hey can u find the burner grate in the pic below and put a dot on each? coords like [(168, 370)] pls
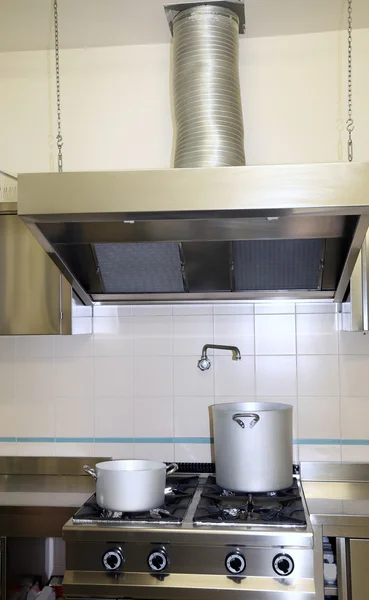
[(271, 509), (178, 495)]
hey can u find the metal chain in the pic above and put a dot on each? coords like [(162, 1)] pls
[(59, 139), (350, 122)]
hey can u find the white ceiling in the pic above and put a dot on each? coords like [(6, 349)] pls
[(27, 24)]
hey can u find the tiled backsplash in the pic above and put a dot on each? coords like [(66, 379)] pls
[(133, 389)]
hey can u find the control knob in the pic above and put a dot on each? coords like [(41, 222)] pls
[(158, 560), (235, 563), (113, 559), (283, 564)]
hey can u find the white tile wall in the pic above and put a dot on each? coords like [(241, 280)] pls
[(133, 387), (275, 376), (275, 334)]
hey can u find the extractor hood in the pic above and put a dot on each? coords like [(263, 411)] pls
[(291, 231), (197, 232)]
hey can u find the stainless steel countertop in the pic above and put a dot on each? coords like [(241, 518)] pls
[(39, 495), (340, 506), (45, 490)]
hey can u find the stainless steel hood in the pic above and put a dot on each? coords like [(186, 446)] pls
[(291, 231)]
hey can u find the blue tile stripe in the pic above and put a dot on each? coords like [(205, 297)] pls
[(171, 440)]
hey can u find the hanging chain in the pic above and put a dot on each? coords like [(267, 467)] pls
[(350, 122), (59, 139)]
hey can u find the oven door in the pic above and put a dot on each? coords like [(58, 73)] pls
[(183, 586)]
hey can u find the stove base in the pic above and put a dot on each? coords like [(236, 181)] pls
[(182, 586)]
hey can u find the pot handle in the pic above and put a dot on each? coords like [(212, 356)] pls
[(237, 418), (172, 468), (90, 471)]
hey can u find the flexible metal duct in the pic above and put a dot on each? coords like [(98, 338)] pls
[(206, 88)]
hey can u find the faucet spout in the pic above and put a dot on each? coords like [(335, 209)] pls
[(204, 363)]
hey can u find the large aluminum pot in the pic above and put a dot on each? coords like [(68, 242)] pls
[(253, 446), (130, 485)]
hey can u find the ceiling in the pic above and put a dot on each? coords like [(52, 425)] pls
[(27, 24)]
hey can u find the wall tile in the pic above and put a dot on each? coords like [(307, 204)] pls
[(114, 417), (319, 417), (7, 348), (114, 340), (352, 342), (36, 417), (134, 396), (113, 376), (162, 452), (189, 380), (193, 453), (355, 418), (318, 375), (275, 334), (153, 336), (35, 346), (74, 377), (319, 453), (234, 330), (8, 416), (112, 311), (152, 310), (79, 310), (192, 309), (236, 308), (7, 378), (73, 346), (74, 417), (153, 417), (275, 376), (153, 376), (8, 449), (234, 377), (191, 333), (34, 377), (229, 399), (353, 375), (114, 450), (192, 416), (355, 454), (274, 308), (36, 449), (317, 334), (74, 449), (82, 326), (316, 307)]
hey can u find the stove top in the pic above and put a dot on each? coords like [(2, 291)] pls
[(218, 507), (178, 496)]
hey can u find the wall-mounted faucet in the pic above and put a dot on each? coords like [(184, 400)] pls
[(204, 363)]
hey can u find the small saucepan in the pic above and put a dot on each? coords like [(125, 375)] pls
[(130, 485)]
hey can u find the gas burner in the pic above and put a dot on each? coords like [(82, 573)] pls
[(227, 493), (178, 496), (282, 508)]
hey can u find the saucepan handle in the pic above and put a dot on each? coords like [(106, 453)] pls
[(172, 468), (237, 418), (90, 471)]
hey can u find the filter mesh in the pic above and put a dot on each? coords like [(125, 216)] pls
[(140, 268), (278, 264)]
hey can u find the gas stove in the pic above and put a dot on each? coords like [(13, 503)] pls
[(244, 546)]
